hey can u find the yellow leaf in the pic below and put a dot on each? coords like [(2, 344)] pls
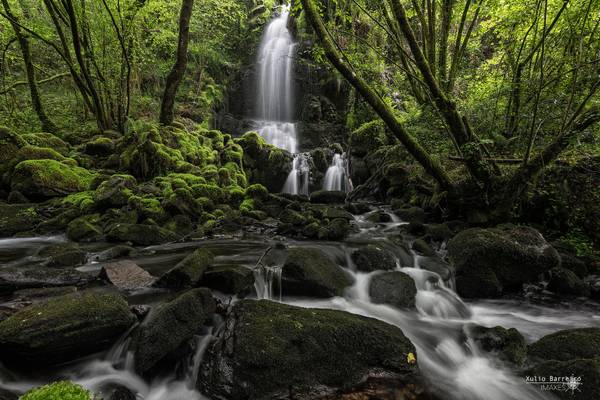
[(410, 358)]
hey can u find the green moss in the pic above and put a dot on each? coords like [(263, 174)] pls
[(247, 206), (147, 207), (213, 192), (567, 345), (47, 140), (83, 201), (58, 391), (37, 153), (368, 137), (233, 152), (206, 203), (49, 178), (257, 191)]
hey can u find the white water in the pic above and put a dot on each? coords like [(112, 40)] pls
[(336, 177), (275, 98), (299, 177)]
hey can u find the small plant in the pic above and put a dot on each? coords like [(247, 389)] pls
[(579, 241), (58, 391)]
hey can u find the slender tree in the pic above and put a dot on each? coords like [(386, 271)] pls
[(178, 71), (36, 101)]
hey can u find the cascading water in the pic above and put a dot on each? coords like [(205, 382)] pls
[(275, 98), (299, 177), (336, 177)]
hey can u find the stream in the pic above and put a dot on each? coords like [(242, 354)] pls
[(449, 359)]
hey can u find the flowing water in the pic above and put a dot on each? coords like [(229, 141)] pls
[(450, 360), (275, 98), (337, 177)]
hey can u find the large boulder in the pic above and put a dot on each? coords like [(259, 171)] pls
[(49, 178), (372, 258), (63, 255), (140, 234), (16, 278), (271, 350), (394, 288), (64, 328), (188, 272), (170, 325), (309, 272), (493, 261), (15, 218), (228, 278), (567, 345), (564, 281), (508, 344)]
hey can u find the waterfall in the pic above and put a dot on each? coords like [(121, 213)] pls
[(299, 177), (275, 97), (336, 177)]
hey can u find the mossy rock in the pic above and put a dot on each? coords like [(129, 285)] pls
[(28, 277), (233, 279), (170, 325), (63, 255), (116, 191), (49, 178), (338, 229), (64, 328), (140, 234), (271, 350), (47, 140), (513, 254), (567, 345), (15, 218), (30, 152), (10, 143), (566, 282), (508, 344), (101, 146), (85, 229), (423, 248), (188, 272), (588, 370), (328, 197), (63, 390), (309, 272), (368, 137), (394, 288), (372, 258), (411, 214)]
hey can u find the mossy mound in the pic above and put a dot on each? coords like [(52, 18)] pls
[(64, 328), (368, 137), (10, 143), (270, 350), (506, 256), (63, 390), (188, 272), (567, 345), (15, 218), (49, 178), (394, 288), (47, 140), (372, 258), (309, 272)]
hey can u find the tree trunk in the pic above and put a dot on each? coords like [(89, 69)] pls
[(47, 124), (385, 112), (176, 75)]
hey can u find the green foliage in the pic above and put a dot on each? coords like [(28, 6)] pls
[(579, 241), (58, 391)]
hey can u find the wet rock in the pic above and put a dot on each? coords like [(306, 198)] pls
[(170, 325), (411, 214), (188, 272), (509, 344), (64, 328), (588, 370), (16, 197), (564, 281), (232, 279), (372, 258), (140, 234), (438, 232), (114, 252), (63, 255), (309, 272), (422, 248), (328, 197), (593, 282), (498, 260), (85, 229), (12, 279), (338, 229), (8, 395), (379, 216), (100, 146), (567, 345), (574, 264), (271, 350), (289, 216), (126, 275), (49, 178), (122, 393), (437, 265), (334, 212), (394, 288)]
